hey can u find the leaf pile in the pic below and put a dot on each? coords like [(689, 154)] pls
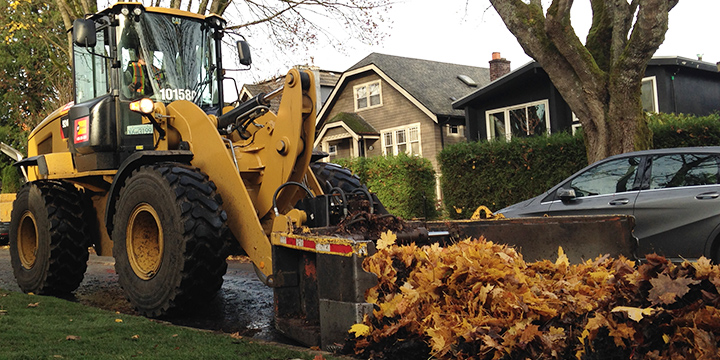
[(480, 300)]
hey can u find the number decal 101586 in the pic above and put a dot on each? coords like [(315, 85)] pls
[(177, 94)]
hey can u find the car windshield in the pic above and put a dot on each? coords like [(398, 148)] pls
[(167, 58)]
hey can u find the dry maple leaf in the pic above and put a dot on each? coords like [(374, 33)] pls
[(666, 290), (386, 240), (33, 305), (562, 258), (72, 337), (703, 267), (635, 314), (705, 344), (359, 330), (620, 333), (529, 333)]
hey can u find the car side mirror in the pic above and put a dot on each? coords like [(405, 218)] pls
[(84, 33), (566, 195), (244, 52)]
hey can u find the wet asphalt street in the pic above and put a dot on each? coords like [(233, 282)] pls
[(243, 305)]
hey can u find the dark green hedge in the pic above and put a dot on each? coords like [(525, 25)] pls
[(404, 184), (671, 130), (497, 173)]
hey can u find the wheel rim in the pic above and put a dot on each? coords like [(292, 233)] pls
[(144, 241), (27, 240)]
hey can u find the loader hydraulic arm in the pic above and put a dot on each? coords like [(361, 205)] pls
[(277, 151)]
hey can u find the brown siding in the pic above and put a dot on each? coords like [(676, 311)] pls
[(336, 131), (344, 150), (396, 110)]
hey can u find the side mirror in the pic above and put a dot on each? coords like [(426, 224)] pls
[(244, 52), (566, 195), (84, 33)]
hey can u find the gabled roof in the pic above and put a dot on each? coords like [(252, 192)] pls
[(355, 122), (355, 126), (432, 85), (501, 81), (533, 66)]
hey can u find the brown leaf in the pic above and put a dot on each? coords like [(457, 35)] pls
[(666, 290), (705, 344), (33, 305), (529, 334), (622, 332), (72, 337)]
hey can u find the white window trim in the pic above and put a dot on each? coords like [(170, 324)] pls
[(459, 129), (367, 84), (506, 111), (653, 81), (332, 149), (407, 139), (575, 124)]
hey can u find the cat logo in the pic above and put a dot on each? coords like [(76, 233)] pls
[(81, 130)]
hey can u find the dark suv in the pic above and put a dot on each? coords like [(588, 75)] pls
[(674, 195)]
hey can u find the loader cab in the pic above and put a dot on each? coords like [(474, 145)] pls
[(128, 53)]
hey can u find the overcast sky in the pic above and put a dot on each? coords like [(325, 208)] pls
[(447, 31)]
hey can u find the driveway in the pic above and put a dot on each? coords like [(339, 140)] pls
[(244, 305)]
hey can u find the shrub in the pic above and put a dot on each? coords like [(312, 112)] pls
[(670, 130), (11, 179), (498, 173), (404, 184)]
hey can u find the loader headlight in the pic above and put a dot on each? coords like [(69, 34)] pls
[(144, 106)]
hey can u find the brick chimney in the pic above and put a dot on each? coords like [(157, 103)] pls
[(499, 66)]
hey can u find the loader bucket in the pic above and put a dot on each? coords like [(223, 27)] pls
[(320, 284), (538, 238)]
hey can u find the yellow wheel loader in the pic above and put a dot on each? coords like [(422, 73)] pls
[(149, 165)]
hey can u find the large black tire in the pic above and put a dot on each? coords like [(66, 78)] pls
[(48, 244), (169, 239), (331, 175)]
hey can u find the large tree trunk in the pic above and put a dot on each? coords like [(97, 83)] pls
[(600, 80)]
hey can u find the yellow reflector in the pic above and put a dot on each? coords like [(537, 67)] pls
[(144, 106)]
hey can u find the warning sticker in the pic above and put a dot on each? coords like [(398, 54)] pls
[(81, 129)]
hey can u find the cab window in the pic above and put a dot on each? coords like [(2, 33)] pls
[(91, 69)]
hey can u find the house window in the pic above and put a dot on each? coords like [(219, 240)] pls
[(518, 121), (402, 140), (455, 129), (367, 95), (332, 149), (649, 95)]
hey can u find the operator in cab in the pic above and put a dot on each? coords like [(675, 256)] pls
[(137, 77)]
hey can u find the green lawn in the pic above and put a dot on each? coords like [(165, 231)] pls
[(41, 327)]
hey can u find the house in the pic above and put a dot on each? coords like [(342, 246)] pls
[(389, 104), (525, 102), (327, 80)]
